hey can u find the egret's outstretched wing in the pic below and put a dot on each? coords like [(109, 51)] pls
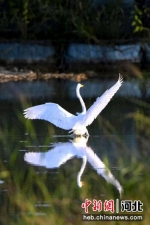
[(54, 158), (53, 113), (100, 104), (101, 169)]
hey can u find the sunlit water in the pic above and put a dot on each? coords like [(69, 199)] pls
[(45, 172)]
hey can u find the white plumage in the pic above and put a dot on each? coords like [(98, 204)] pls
[(62, 152), (76, 123)]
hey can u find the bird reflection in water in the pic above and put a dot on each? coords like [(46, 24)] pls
[(61, 152)]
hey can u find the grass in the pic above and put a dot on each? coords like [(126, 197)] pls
[(36, 195)]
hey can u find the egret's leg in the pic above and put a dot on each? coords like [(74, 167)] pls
[(86, 134)]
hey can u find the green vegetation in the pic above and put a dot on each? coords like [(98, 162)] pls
[(141, 17), (67, 21), (39, 196)]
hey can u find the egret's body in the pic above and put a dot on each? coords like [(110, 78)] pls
[(77, 124)]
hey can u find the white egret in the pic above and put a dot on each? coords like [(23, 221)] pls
[(77, 124), (61, 152)]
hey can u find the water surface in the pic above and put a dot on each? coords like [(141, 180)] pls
[(45, 175)]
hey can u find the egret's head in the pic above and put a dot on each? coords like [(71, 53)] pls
[(80, 183), (80, 85)]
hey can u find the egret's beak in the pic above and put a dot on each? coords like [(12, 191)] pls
[(81, 85)]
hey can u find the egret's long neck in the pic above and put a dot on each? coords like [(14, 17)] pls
[(81, 171), (81, 100)]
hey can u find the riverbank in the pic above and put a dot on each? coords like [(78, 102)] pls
[(21, 61), (14, 74)]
